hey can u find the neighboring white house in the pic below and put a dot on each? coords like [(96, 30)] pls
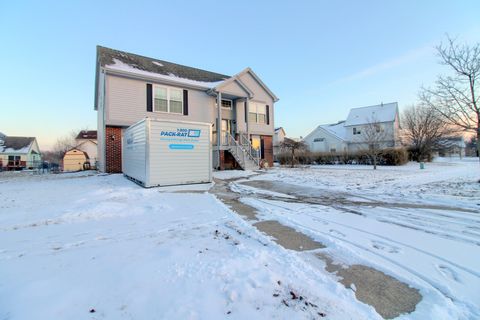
[(278, 138), (86, 141), (349, 135), (451, 146), (327, 138), (17, 153)]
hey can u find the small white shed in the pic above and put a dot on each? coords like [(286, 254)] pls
[(163, 153)]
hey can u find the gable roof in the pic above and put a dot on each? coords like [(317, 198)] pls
[(87, 134), (16, 144), (134, 64), (336, 129), (236, 78), (384, 112), (130, 62)]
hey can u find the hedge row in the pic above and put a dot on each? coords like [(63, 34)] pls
[(388, 157)]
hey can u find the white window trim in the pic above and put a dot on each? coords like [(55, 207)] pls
[(168, 99), (231, 104), (256, 111)]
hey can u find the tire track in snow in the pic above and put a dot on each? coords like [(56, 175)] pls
[(444, 291), (468, 270)]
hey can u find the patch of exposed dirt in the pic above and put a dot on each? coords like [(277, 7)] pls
[(387, 295), (287, 237)]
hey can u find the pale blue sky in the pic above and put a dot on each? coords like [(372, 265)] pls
[(321, 58)]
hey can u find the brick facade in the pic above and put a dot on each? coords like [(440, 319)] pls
[(113, 149)]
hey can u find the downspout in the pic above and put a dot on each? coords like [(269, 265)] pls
[(247, 106), (219, 126)]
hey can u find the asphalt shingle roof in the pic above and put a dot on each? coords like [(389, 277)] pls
[(107, 56), (16, 144), (87, 134)]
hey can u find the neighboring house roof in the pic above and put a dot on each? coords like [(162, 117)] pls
[(384, 112), (336, 129), (87, 134), (277, 130), (16, 144)]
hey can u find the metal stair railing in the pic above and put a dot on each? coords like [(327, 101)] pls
[(236, 149), (254, 154)]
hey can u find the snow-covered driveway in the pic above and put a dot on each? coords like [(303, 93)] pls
[(100, 247), (420, 226)]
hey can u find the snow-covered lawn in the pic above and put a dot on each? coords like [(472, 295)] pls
[(88, 246), (76, 246), (420, 226)]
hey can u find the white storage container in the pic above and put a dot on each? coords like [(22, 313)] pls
[(163, 153)]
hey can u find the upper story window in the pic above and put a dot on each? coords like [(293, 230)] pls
[(168, 100), (318, 139), (356, 131), (227, 103), (257, 112)]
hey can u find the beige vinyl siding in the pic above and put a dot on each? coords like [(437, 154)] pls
[(234, 88), (127, 103), (260, 96), (101, 124), (240, 108)]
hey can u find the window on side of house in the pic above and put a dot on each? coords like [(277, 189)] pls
[(252, 112), (333, 150), (160, 101), (318, 139), (168, 100), (257, 112), (175, 101), (356, 131), (261, 113)]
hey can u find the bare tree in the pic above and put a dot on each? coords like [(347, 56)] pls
[(291, 146), (63, 144), (423, 128), (455, 96), (374, 136)]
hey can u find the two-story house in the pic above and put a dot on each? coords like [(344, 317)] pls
[(355, 133), (130, 87)]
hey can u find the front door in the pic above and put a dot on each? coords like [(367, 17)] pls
[(227, 126)]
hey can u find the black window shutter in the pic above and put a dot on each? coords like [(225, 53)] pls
[(246, 111), (268, 114), (185, 102), (149, 97)]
